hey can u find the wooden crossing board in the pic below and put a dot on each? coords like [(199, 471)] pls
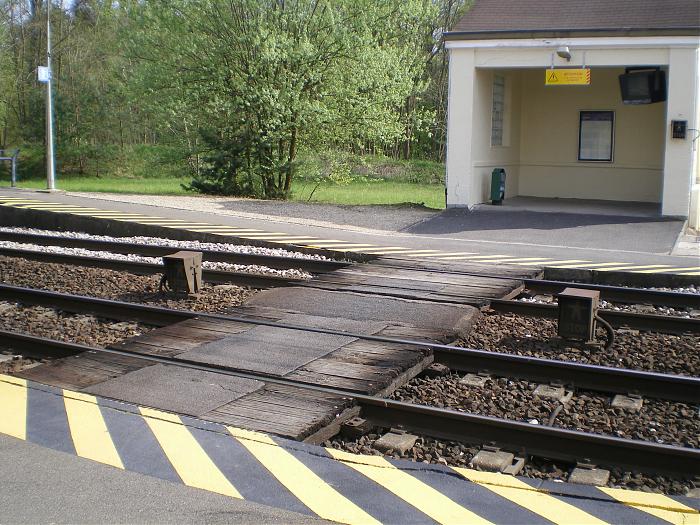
[(361, 366)]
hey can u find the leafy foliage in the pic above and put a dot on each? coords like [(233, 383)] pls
[(235, 88)]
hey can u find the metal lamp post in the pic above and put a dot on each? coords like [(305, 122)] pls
[(50, 165)]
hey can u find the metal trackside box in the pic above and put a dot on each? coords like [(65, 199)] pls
[(183, 271), (577, 310)]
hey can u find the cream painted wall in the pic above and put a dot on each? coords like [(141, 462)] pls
[(485, 156), (549, 165), (648, 165)]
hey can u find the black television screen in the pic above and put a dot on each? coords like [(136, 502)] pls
[(643, 87)]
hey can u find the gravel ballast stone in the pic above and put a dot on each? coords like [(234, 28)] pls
[(120, 286), (634, 349)]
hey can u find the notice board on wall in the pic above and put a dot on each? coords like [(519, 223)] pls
[(596, 134)]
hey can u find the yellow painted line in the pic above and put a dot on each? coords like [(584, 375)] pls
[(13, 406), (114, 215), (221, 230), (587, 265), (160, 221), (528, 260), (422, 496), (326, 242), (551, 263), (633, 267), (417, 253), (356, 247), (384, 249), (522, 494), (90, 435), (424, 253), (266, 234), (687, 269), (657, 505), (295, 240), (188, 458), (300, 480), (690, 273), (38, 206), (477, 258), (209, 229), (380, 251)]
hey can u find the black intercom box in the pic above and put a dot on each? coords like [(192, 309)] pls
[(679, 128)]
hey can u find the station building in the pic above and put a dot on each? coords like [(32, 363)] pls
[(595, 99)]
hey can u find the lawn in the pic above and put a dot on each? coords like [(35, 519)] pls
[(354, 193), (144, 186)]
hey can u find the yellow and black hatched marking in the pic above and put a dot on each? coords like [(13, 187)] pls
[(311, 480), (340, 245)]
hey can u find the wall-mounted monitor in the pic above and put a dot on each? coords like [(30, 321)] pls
[(643, 86)]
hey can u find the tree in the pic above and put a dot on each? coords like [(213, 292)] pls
[(276, 74)]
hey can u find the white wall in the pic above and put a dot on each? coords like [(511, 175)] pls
[(682, 105), (640, 171), (549, 165), (485, 156)]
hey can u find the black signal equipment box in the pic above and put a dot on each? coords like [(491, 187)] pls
[(577, 310)]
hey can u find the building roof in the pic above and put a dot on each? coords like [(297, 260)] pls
[(533, 18)]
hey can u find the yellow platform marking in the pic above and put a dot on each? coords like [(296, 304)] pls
[(585, 265), (213, 229), (322, 242), (534, 260), (186, 455), (633, 267), (287, 241), (13, 406), (675, 269), (340, 247), (689, 273), (657, 505), (300, 480), (522, 494), (422, 496), (90, 435), (382, 251), (476, 258), (569, 263), (237, 231)]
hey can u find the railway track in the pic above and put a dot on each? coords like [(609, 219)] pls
[(579, 375), (661, 323), (150, 250), (619, 294), (143, 268), (537, 440)]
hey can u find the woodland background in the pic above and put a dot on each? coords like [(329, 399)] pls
[(235, 97)]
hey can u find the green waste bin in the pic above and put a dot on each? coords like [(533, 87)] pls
[(498, 185)]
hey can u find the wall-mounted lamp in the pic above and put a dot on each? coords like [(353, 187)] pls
[(563, 52)]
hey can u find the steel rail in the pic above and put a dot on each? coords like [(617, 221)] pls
[(622, 294), (538, 440), (611, 293), (653, 322), (142, 268), (149, 250), (578, 375)]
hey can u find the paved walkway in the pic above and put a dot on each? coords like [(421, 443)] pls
[(299, 478), (494, 235)]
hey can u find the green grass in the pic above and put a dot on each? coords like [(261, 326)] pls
[(149, 186), (376, 192), (354, 193)]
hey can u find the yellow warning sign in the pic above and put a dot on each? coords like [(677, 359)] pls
[(567, 77)]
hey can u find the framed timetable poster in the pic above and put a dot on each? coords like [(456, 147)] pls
[(595, 136)]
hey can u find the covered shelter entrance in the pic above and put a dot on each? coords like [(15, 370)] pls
[(594, 138)]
